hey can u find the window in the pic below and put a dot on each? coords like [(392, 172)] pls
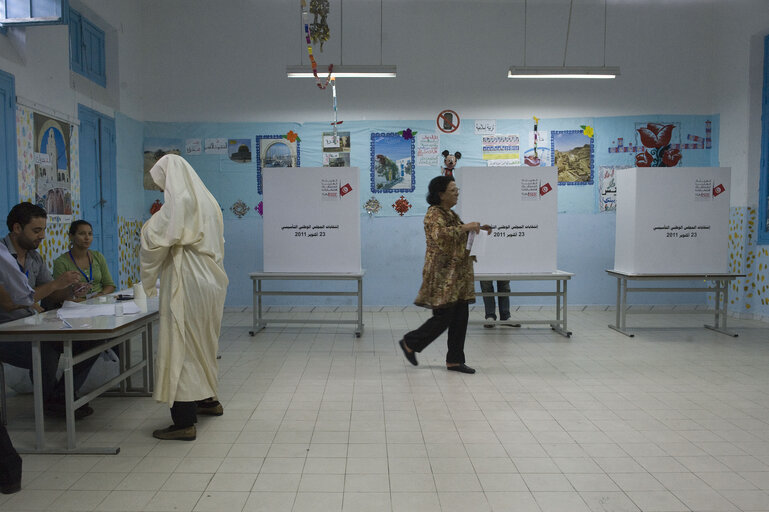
[(33, 12), (763, 191), (86, 49)]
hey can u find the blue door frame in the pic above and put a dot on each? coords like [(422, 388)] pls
[(98, 192), (9, 174)]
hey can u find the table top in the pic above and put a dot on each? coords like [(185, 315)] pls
[(726, 276), (47, 326), (306, 275), (526, 276)]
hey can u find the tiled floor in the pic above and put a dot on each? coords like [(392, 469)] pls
[(317, 420)]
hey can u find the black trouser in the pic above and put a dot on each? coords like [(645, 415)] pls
[(454, 318), (184, 414), (10, 462), (19, 354)]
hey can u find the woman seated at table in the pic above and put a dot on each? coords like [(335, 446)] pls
[(96, 279)]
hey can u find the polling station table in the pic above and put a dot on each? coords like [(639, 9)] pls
[(560, 323), (259, 320), (104, 331), (720, 289)]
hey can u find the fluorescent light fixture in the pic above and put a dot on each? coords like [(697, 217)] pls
[(342, 71), (562, 72)]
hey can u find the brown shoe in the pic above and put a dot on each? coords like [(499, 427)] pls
[(174, 433), (210, 408)]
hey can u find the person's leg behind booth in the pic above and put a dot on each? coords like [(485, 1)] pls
[(489, 305)]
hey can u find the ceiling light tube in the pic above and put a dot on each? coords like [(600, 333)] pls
[(563, 72), (343, 71)]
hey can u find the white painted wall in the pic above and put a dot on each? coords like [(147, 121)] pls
[(227, 63), (738, 78)]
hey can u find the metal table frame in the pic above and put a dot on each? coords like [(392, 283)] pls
[(721, 288), (560, 323), (105, 332), (260, 322)]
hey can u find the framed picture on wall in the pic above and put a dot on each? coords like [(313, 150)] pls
[(53, 176), (392, 163), (573, 154), (274, 151)]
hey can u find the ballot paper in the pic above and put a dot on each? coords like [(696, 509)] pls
[(76, 310), (478, 245)]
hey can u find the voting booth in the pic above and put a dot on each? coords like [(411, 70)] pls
[(521, 205), (672, 220), (311, 219)]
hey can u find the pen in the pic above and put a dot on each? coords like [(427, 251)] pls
[(66, 324)]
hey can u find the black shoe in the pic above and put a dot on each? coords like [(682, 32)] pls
[(490, 326), (411, 356), (10, 473), (59, 410), (461, 368), (210, 408), (174, 433)]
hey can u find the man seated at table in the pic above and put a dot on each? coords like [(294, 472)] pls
[(21, 269)]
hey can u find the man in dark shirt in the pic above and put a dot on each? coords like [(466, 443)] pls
[(26, 229)]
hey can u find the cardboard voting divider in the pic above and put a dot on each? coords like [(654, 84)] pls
[(311, 219), (672, 220), (521, 205)]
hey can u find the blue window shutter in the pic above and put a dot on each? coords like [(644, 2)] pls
[(93, 58), (87, 48), (763, 190), (33, 12), (76, 41)]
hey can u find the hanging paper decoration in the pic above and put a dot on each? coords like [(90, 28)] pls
[(407, 134), (155, 207), (319, 29), (401, 206), (372, 206), (534, 161), (336, 122), (309, 38), (587, 130), (239, 208), (260, 208), (292, 136)]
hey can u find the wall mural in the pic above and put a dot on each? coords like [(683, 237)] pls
[(53, 176)]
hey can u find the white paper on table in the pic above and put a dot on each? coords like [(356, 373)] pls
[(75, 310), (478, 248)]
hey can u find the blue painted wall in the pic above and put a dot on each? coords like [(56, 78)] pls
[(393, 246)]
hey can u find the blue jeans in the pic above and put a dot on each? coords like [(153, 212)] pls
[(504, 300)]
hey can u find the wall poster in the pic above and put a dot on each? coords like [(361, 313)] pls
[(573, 155), (274, 151), (156, 148), (53, 176), (392, 163)]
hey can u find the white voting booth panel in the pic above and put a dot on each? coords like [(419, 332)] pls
[(311, 219), (672, 220), (521, 204)]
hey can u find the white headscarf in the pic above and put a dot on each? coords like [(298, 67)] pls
[(187, 201)]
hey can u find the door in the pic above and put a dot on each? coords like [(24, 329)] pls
[(98, 193), (9, 190)]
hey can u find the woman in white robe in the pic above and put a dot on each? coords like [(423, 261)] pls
[(183, 243)]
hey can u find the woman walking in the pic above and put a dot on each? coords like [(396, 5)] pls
[(447, 277)]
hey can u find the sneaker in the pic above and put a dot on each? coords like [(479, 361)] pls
[(174, 433), (490, 326), (210, 408), (510, 324)]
